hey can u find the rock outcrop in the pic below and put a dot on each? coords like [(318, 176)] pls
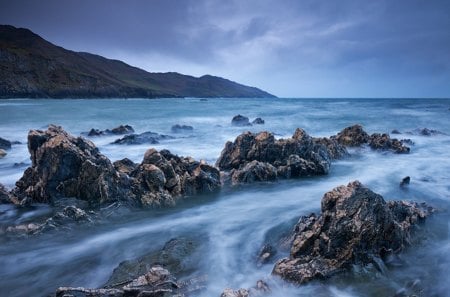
[(384, 142), (240, 121), (181, 128), (143, 138), (120, 130), (260, 157), (258, 121), (65, 166), (5, 144), (356, 226), (352, 136), (261, 289)]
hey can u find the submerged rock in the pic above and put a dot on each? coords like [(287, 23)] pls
[(260, 157), (240, 121), (5, 144), (405, 181), (120, 130), (426, 132), (181, 128), (356, 226), (258, 121), (143, 138), (65, 166)]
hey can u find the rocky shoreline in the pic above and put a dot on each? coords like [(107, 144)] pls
[(356, 226)]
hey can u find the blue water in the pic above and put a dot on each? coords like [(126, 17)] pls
[(235, 222)]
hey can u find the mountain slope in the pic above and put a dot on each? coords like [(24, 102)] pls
[(32, 67)]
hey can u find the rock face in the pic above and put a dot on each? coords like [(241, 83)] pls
[(181, 128), (240, 121), (143, 138), (5, 144), (357, 226), (162, 176), (260, 157), (65, 166)]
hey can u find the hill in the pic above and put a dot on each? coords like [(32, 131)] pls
[(31, 67)]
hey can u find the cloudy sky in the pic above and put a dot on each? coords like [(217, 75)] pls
[(291, 48)]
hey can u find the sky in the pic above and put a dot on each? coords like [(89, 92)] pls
[(290, 48)]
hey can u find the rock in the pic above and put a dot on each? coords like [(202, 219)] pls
[(177, 256), (253, 157), (5, 197), (240, 121), (427, 132), (395, 131), (261, 289), (379, 141), (181, 128), (143, 138), (2, 153), (120, 130), (266, 254), (407, 141), (357, 226), (65, 166), (335, 150), (5, 144), (125, 166), (405, 181), (157, 282), (352, 136), (258, 121), (95, 132)]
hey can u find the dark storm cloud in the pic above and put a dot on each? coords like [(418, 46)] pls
[(291, 47)]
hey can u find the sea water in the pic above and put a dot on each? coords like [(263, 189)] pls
[(235, 223)]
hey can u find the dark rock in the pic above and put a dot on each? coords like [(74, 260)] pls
[(120, 130), (177, 256), (5, 144), (65, 166), (356, 226), (266, 254), (181, 128), (2, 153), (407, 141), (4, 195), (258, 121), (298, 156), (240, 121), (143, 138), (261, 289), (405, 181), (379, 141), (335, 150), (125, 166), (95, 132), (427, 132), (395, 131), (352, 136)]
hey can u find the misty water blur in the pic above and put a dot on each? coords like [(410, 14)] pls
[(236, 223)]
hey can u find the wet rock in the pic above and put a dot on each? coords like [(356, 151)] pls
[(120, 130), (379, 141), (405, 181), (261, 289), (335, 150), (65, 166), (4, 195), (95, 132), (5, 144), (2, 153), (181, 128), (258, 121), (143, 138), (356, 226), (240, 121), (178, 256), (125, 166), (426, 132), (352, 136), (157, 282), (254, 156), (407, 141), (266, 254), (395, 131)]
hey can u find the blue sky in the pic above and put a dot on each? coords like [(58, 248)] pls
[(291, 48)]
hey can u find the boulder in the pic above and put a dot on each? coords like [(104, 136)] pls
[(4, 195), (261, 289), (405, 181), (2, 153), (181, 128), (143, 138), (120, 130), (258, 121), (352, 136), (395, 131), (356, 227), (254, 157), (240, 121), (65, 166), (5, 144), (383, 142)]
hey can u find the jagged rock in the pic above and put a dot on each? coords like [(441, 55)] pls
[(240, 121), (254, 156), (125, 166), (157, 282), (258, 121), (143, 138), (384, 142), (405, 181), (65, 166), (266, 253), (2, 153), (176, 256), (5, 144), (357, 226), (335, 150), (352, 136), (261, 289), (181, 128), (120, 130)]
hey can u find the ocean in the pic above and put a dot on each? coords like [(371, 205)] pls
[(233, 225)]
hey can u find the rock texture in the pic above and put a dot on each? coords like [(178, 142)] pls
[(356, 226), (260, 157)]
